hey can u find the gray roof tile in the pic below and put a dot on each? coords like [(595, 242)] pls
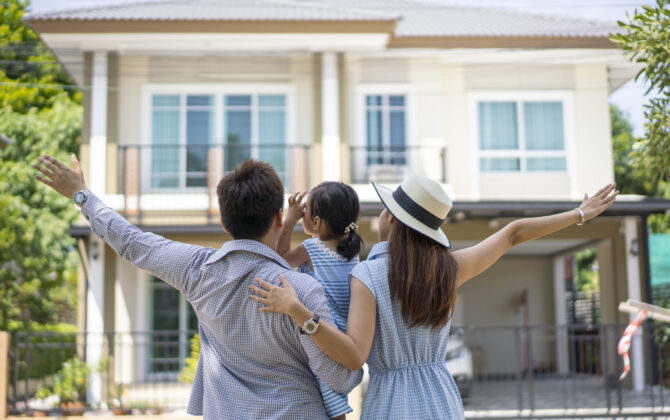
[(416, 18)]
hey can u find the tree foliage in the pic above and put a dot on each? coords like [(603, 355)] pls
[(37, 262), (646, 40), (30, 76)]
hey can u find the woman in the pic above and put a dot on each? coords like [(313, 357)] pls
[(403, 296)]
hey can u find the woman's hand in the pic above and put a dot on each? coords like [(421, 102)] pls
[(296, 208), (283, 300), (603, 199)]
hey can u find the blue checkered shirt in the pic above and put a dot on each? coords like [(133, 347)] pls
[(252, 365)]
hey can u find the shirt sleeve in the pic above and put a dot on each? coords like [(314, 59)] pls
[(337, 377), (362, 272), (176, 263)]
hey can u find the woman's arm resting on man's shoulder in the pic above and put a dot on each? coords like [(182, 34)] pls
[(350, 349), (476, 259)]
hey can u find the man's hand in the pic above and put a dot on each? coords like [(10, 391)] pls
[(64, 180)]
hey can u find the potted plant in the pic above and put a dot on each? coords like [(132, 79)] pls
[(117, 400), (69, 385)]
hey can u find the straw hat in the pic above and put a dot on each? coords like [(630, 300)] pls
[(419, 203)]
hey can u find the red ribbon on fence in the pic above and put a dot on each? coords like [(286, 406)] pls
[(624, 343)]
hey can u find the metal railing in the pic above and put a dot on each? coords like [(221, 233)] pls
[(537, 371), (391, 164), (181, 179), (138, 369)]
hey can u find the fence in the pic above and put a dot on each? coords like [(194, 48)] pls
[(391, 164), (537, 371), (159, 179)]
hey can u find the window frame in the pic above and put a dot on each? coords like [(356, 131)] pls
[(218, 91), (360, 109), (519, 98)]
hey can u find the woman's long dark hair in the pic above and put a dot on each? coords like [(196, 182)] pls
[(337, 204), (423, 276)]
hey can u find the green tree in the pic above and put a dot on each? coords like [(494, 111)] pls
[(37, 265), (30, 76), (646, 39)]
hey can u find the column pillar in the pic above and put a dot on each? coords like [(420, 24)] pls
[(98, 141), (562, 350), (634, 292), (330, 121), (95, 317)]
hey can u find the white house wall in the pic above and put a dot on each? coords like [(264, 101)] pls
[(492, 298)]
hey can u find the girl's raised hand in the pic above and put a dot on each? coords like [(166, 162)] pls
[(283, 300), (296, 207)]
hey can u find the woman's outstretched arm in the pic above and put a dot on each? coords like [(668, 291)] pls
[(476, 259), (350, 349)]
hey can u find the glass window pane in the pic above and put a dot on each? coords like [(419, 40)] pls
[(199, 132), (271, 139), (499, 164), (374, 136), (271, 100), (238, 137), (199, 100), (238, 100), (373, 100), (396, 155), (397, 100), (164, 350), (498, 126), (165, 100), (543, 122), (165, 148), (546, 164)]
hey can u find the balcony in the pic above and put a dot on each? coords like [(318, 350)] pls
[(392, 164), (168, 184)]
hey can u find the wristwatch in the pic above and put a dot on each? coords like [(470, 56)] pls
[(80, 197), (311, 325)]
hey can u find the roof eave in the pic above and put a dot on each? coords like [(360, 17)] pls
[(500, 42)]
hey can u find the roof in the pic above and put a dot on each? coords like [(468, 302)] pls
[(211, 10), (414, 18)]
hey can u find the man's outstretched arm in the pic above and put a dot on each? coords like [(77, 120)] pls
[(174, 262)]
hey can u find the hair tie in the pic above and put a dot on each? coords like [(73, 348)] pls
[(352, 226)]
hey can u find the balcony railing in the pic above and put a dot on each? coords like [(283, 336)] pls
[(181, 179), (391, 164)]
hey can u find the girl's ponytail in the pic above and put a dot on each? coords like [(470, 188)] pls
[(352, 243)]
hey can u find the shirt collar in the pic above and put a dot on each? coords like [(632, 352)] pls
[(247, 245), (379, 250)]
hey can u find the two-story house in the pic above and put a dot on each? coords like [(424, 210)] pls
[(509, 111)]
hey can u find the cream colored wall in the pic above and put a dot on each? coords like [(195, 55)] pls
[(493, 299)]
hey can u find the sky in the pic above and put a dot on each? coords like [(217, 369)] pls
[(630, 97)]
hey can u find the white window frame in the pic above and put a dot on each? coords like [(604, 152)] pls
[(184, 343), (519, 97), (359, 139), (218, 91)]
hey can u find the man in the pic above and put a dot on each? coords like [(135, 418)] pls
[(251, 365)]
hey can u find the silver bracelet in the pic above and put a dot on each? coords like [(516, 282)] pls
[(581, 215)]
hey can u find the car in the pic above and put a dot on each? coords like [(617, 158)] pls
[(459, 364)]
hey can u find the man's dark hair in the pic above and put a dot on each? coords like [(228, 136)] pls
[(249, 198)]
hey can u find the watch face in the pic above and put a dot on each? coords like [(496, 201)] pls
[(79, 197), (310, 326)]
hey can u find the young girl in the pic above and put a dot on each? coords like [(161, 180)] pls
[(329, 215), (403, 296)]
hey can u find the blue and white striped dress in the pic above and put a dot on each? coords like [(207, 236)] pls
[(332, 271), (408, 374)]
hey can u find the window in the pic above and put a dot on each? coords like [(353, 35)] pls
[(521, 136), (255, 127), (179, 160), (172, 324), (385, 129), (184, 127)]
